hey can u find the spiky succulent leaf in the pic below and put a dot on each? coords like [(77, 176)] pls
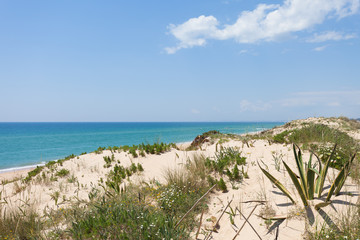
[(277, 183), (347, 172), (339, 178), (310, 182), (297, 184), (318, 179), (302, 171), (322, 204), (324, 172), (315, 171)]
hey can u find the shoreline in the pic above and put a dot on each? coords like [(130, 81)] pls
[(17, 172), (21, 168), (162, 173), (14, 174)]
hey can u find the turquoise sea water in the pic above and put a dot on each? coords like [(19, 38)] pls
[(27, 144)]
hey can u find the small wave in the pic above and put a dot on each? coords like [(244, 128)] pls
[(21, 168)]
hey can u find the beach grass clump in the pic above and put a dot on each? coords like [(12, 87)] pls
[(225, 158), (133, 151), (141, 149), (108, 160), (118, 173), (222, 185), (347, 226), (53, 164), (281, 137), (23, 223), (183, 188), (320, 133), (62, 172), (226, 162), (138, 212), (50, 164), (123, 217), (176, 200), (99, 150), (319, 138), (33, 173), (61, 161), (140, 167)]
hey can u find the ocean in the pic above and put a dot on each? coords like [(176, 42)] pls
[(24, 145)]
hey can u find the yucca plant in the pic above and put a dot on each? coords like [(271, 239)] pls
[(311, 178)]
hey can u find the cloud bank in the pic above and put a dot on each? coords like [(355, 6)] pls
[(267, 22), (330, 36)]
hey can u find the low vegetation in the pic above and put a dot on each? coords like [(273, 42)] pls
[(312, 178), (142, 149), (119, 209), (226, 162)]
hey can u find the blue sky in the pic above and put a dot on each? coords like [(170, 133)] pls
[(179, 60)]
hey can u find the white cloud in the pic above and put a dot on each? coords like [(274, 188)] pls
[(193, 32), (331, 36), (321, 48), (246, 105), (267, 22)]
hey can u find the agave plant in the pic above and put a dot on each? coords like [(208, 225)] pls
[(312, 178)]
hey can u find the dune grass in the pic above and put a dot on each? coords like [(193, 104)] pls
[(137, 211), (151, 210)]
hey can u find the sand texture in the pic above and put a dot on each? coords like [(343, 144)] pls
[(255, 192)]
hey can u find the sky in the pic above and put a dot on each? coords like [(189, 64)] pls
[(179, 60)]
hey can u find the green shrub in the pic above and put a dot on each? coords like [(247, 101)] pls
[(50, 164), (140, 167), (211, 180), (280, 138), (221, 185), (99, 150), (108, 160), (133, 168), (226, 157), (124, 218), (33, 173), (62, 172), (133, 152), (236, 173)]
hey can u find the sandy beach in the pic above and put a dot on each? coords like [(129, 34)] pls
[(255, 193), (11, 174)]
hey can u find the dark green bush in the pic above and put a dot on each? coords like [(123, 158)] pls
[(221, 185), (62, 172), (281, 137), (33, 173)]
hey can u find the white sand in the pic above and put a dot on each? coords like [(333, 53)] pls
[(88, 169)]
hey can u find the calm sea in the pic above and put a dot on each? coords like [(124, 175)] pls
[(27, 144)]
